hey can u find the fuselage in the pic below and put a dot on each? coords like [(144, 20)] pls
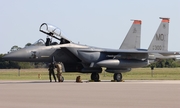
[(76, 53)]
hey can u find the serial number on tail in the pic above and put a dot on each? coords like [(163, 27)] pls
[(158, 47)]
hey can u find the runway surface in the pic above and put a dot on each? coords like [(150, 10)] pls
[(105, 94)]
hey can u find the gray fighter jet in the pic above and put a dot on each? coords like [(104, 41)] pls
[(88, 59)]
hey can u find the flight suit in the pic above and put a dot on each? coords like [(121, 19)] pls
[(59, 72), (51, 72)]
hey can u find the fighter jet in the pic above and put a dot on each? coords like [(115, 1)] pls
[(87, 59)]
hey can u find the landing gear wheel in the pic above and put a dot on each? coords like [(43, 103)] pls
[(118, 77), (62, 80), (95, 76)]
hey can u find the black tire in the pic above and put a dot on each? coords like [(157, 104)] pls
[(118, 77), (62, 79), (95, 76)]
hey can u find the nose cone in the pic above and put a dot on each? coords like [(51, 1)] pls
[(19, 55)]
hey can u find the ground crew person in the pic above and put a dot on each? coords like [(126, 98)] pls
[(51, 72), (59, 72)]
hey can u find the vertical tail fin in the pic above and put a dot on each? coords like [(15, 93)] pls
[(160, 40), (133, 37)]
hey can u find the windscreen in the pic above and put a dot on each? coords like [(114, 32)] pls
[(40, 42)]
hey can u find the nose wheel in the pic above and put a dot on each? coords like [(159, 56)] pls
[(95, 76), (118, 77), (60, 78)]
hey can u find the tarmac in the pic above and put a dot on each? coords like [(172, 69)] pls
[(104, 94)]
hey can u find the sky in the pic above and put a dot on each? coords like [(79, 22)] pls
[(100, 23)]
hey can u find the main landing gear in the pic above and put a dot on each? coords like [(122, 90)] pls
[(117, 77), (95, 76)]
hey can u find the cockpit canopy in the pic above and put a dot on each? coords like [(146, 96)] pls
[(40, 42), (54, 32)]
